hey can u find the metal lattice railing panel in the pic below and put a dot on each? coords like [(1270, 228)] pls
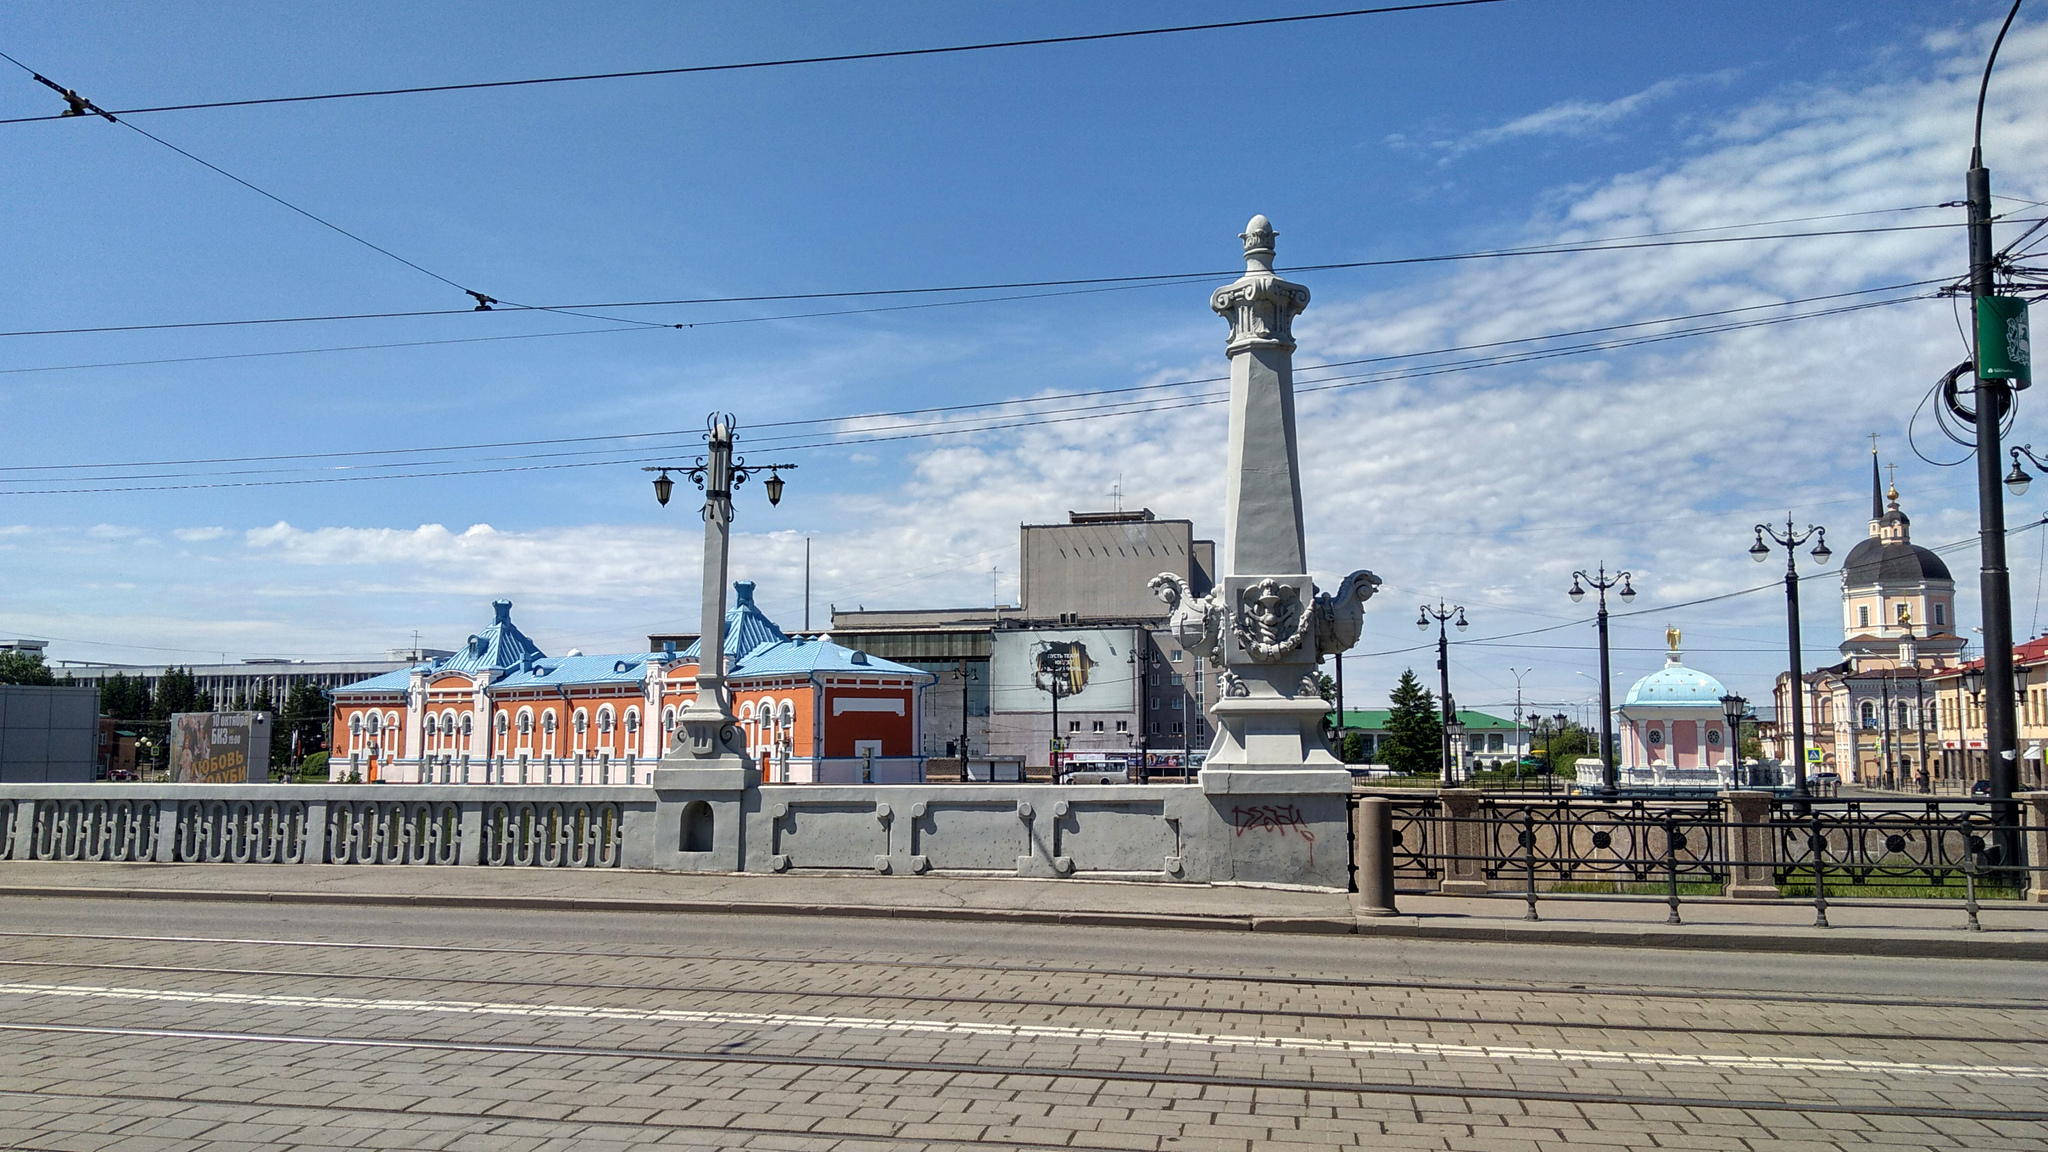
[(94, 830), (553, 834)]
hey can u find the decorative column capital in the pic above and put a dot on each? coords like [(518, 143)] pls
[(1260, 306)]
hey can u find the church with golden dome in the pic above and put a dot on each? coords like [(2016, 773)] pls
[(1870, 719)]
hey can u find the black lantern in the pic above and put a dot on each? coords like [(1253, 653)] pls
[(662, 487), (1973, 680), (773, 486)]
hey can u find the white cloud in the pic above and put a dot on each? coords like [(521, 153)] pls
[(1486, 487), (198, 535)]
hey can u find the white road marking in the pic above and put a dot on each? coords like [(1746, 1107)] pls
[(988, 1029)]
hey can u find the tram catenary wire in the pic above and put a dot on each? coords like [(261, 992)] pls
[(737, 1055), (447, 980), (932, 429), (1579, 991)]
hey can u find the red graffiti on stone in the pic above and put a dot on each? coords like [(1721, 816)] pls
[(1281, 818)]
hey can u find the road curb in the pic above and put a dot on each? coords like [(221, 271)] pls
[(1916, 943), (1961, 945), (669, 907)]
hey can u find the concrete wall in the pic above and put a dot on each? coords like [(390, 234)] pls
[(1100, 571), (48, 734), (1230, 828)]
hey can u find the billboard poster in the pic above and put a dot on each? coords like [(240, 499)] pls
[(1091, 669), (220, 748)]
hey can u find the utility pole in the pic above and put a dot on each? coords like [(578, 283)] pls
[(1993, 398), (1340, 706), (963, 725), (807, 583)]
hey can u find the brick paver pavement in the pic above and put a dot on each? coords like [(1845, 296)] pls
[(196, 1026)]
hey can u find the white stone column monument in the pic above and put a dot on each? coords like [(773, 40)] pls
[(1277, 792)]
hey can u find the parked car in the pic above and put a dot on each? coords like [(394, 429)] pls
[(1981, 788)]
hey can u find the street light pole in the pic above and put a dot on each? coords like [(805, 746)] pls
[(1443, 674), (708, 728), (1760, 552), (1610, 776)]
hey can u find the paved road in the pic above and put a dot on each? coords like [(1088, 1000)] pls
[(162, 1024)]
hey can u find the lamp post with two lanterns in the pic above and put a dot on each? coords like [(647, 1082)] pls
[(707, 729), (1601, 582), (1455, 615), (1790, 541)]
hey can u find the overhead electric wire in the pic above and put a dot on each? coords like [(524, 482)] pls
[(785, 62), (1090, 411), (1161, 279), (945, 428), (905, 412)]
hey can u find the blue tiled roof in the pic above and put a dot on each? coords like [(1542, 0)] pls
[(397, 680), (746, 626), (619, 668), (802, 657), (756, 646), (499, 648)]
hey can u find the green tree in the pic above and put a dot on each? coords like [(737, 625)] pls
[(177, 691), (125, 697), (306, 711), (1354, 748), (24, 668), (1414, 739)]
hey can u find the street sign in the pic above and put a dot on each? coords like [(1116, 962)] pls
[(1813, 755), (2004, 349)]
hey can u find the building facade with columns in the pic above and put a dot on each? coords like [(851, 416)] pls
[(500, 711), (1871, 718), (1673, 719)]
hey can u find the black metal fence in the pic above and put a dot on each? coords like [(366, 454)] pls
[(1575, 847)]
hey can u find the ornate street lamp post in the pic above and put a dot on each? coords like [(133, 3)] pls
[(1732, 707), (1760, 552), (1443, 674), (706, 727), (1610, 779)]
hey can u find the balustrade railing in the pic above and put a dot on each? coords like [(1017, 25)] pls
[(280, 824), (1741, 845)]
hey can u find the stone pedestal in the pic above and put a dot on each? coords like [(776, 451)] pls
[(1752, 849), (1272, 826), (1278, 796), (2034, 814), (1464, 842)]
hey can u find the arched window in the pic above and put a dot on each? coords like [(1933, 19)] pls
[(668, 720), (501, 723), (427, 729), (1863, 615), (526, 725), (448, 729), (788, 716), (376, 722), (581, 722), (604, 720), (1869, 714), (355, 724), (747, 727)]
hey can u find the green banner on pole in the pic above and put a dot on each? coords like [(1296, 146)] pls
[(2004, 351)]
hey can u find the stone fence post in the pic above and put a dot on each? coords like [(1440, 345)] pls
[(1375, 848), (1463, 840), (2034, 814), (1752, 847)]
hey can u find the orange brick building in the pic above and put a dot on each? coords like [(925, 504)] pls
[(500, 711)]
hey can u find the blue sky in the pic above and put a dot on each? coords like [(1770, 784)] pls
[(1369, 138)]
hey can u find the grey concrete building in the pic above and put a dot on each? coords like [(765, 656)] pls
[(249, 678), (1129, 688)]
